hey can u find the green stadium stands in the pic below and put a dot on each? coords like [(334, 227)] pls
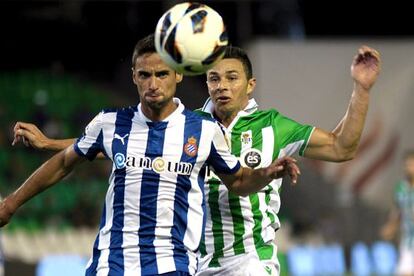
[(66, 104)]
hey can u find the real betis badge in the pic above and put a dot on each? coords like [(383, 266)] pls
[(246, 137)]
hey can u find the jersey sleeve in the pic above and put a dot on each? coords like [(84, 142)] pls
[(293, 135), (91, 141), (220, 158)]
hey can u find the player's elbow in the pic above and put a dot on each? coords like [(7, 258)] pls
[(346, 154), (238, 189), (343, 158), (236, 183)]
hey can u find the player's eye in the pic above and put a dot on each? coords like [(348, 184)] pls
[(162, 74), (213, 79), (232, 78), (143, 75)]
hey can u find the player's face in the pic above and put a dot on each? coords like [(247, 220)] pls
[(228, 86), (409, 167), (155, 81)]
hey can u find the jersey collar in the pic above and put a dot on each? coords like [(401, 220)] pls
[(251, 107), (171, 117)]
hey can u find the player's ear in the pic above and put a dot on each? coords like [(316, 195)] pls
[(251, 84), (178, 77)]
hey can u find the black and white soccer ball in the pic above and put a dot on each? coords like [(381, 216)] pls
[(191, 38)]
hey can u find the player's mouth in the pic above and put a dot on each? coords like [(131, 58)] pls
[(152, 95), (223, 99)]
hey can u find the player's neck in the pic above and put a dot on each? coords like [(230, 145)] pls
[(158, 114), (225, 118)]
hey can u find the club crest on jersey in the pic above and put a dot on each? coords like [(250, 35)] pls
[(251, 158), (246, 138), (190, 148)]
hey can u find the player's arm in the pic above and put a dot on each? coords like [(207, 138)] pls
[(246, 181), (389, 230), (32, 136), (44, 177), (341, 143)]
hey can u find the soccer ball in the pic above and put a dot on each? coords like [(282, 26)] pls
[(191, 38)]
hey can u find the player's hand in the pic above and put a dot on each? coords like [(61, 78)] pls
[(282, 167), (366, 67), (30, 135)]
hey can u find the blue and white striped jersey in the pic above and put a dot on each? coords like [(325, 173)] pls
[(153, 218)]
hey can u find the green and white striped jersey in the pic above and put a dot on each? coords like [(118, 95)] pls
[(237, 225), (404, 197)]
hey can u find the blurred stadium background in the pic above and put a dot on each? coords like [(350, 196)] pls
[(62, 61)]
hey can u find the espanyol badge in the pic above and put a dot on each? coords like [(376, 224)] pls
[(251, 158), (190, 148)]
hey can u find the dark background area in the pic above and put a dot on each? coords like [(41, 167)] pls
[(96, 37)]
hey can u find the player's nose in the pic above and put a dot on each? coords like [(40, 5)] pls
[(223, 85), (153, 84)]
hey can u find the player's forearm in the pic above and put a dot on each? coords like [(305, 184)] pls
[(395, 216), (250, 181), (45, 176), (349, 130), (389, 230), (58, 145)]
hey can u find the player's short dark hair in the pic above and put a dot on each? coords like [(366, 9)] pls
[(409, 154), (241, 55), (145, 45)]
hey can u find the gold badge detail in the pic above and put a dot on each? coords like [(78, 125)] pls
[(190, 148)]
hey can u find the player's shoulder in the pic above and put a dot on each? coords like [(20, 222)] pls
[(202, 113), (198, 114), (122, 110), (107, 116), (264, 114)]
